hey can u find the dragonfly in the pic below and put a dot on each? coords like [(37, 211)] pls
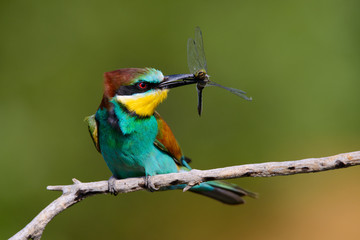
[(198, 67)]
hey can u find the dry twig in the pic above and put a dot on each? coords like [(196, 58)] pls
[(78, 191)]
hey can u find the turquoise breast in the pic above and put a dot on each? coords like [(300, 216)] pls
[(128, 148)]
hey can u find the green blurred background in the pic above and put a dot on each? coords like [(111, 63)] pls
[(299, 60)]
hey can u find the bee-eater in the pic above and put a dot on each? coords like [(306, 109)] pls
[(133, 138)]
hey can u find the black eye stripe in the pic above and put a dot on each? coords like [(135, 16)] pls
[(133, 89)]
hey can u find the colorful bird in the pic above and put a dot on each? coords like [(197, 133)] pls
[(133, 138)]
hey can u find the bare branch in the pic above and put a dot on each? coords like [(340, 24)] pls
[(78, 191)]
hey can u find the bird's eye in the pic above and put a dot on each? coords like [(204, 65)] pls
[(142, 85)]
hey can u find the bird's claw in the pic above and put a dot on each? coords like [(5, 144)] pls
[(190, 185), (111, 186), (149, 185)]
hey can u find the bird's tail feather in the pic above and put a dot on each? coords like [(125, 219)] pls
[(222, 191)]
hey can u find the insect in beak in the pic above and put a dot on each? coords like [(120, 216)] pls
[(198, 66)]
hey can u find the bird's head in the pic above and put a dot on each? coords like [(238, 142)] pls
[(140, 90)]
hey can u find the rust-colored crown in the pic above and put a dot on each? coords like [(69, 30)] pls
[(114, 79)]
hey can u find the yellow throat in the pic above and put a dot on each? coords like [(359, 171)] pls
[(143, 104)]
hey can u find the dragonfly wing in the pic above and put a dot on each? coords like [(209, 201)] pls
[(235, 91), (200, 48), (196, 53), (193, 57)]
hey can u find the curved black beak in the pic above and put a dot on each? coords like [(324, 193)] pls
[(177, 80)]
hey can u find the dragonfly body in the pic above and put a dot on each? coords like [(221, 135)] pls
[(201, 75), (202, 79)]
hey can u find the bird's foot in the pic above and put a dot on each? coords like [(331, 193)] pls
[(190, 185), (194, 182), (149, 185), (111, 186)]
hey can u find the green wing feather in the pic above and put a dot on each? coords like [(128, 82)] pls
[(93, 130)]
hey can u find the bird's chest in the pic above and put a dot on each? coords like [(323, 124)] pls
[(136, 143), (126, 153)]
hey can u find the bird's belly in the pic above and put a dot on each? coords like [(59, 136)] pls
[(126, 161), (133, 154)]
